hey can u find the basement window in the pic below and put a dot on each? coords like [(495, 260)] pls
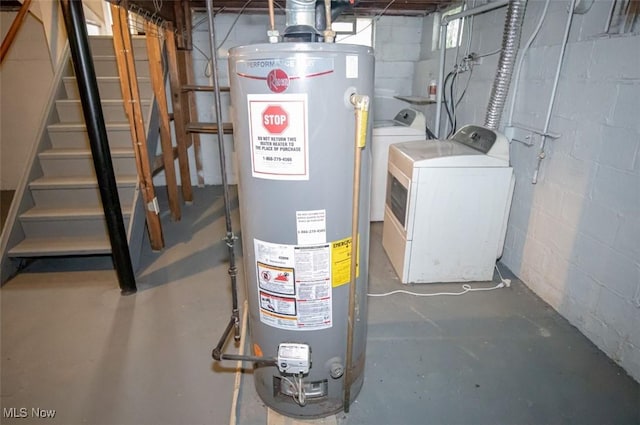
[(454, 29), (351, 30)]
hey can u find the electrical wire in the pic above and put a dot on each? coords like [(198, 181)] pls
[(430, 134), (375, 19), (466, 86), (454, 125), (504, 283), (484, 55), (445, 101), (244, 6), (207, 69), (298, 390)]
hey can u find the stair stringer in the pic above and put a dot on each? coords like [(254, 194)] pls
[(22, 200)]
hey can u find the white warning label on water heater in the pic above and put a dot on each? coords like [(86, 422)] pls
[(311, 227), (278, 126), (294, 285)]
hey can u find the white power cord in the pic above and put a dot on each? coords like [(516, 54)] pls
[(504, 283)]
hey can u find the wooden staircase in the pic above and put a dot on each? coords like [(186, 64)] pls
[(57, 210)]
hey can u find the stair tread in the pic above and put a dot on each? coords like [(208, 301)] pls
[(41, 213), (61, 246), (83, 153), (209, 127), (76, 182), (82, 127)]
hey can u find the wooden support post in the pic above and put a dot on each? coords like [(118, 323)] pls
[(188, 99), (178, 12), (131, 97), (188, 25), (157, 80), (178, 114), (185, 67)]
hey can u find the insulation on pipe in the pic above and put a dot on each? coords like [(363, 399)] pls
[(510, 44)]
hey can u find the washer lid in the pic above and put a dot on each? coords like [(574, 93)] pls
[(443, 153)]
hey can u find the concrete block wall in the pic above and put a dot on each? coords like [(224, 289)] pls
[(574, 237), (397, 42)]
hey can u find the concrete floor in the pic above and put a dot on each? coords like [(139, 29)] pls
[(71, 343)]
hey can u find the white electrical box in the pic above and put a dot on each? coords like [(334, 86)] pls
[(294, 358)]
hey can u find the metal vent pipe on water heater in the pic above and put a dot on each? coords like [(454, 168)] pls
[(294, 135)]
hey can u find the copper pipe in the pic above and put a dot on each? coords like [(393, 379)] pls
[(272, 18)]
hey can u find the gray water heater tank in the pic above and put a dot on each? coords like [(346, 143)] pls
[(294, 133)]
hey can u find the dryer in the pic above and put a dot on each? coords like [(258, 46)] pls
[(408, 124), (447, 205)]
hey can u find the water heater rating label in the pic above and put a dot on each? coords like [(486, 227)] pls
[(278, 135), (294, 285), (341, 261)]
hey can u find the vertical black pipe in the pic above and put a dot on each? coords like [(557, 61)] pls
[(92, 109), (233, 270)]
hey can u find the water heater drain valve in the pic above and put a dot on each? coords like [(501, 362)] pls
[(294, 358)]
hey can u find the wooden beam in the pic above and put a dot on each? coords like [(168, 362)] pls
[(13, 29), (209, 127), (178, 12), (188, 24), (156, 71), (189, 98), (131, 96), (178, 114)]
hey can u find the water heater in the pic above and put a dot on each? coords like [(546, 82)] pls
[(294, 132)]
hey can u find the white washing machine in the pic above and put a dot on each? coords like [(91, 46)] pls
[(408, 124), (447, 205)]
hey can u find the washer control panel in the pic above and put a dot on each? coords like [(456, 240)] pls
[(408, 117), (483, 139)]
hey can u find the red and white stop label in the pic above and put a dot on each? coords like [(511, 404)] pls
[(275, 119), (278, 126)]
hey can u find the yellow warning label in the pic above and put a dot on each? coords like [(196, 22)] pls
[(341, 261)]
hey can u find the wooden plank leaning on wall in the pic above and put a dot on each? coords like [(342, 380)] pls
[(131, 97), (180, 113), (154, 36)]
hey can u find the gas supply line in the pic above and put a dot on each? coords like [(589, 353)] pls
[(361, 107)]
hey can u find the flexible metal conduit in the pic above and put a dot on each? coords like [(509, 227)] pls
[(510, 44)]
